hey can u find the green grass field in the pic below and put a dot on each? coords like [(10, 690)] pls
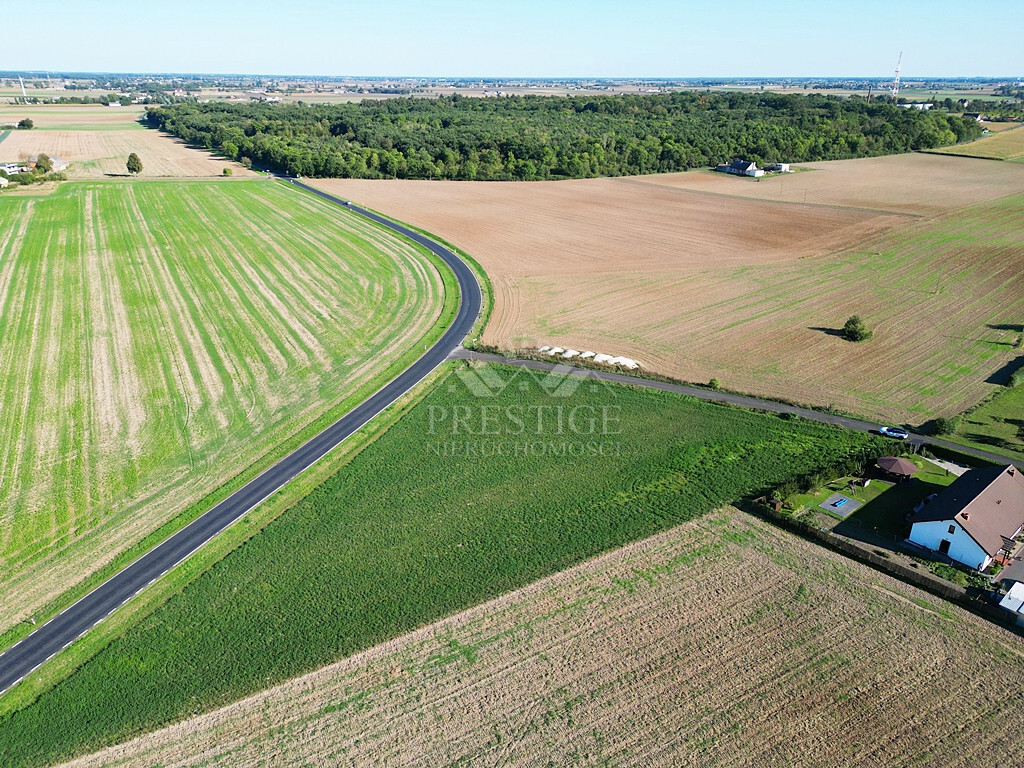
[(998, 424), (494, 480), (159, 339)]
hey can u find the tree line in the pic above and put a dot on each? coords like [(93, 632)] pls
[(545, 137)]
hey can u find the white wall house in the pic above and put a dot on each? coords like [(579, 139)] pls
[(976, 519), (948, 538), (741, 168)]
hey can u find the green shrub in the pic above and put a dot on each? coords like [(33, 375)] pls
[(944, 426), (856, 330)]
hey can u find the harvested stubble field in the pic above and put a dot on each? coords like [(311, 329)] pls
[(1000, 127), (1004, 145), (74, 116), (723, 642), (469, 496), (704, 276), (96, 141), (157, 339), (97, 154)]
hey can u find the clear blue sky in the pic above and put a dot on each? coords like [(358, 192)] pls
[(522, 38)]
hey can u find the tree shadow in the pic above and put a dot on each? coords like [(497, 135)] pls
[(1003, 375), (995, 442), (1005, 327), (828, 331)]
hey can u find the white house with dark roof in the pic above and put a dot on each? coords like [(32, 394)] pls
[(976, 519), (741, 168)]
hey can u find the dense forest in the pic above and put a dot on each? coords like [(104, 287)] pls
[(544, 137)]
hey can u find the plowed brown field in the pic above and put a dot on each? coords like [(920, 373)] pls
[(704, 276), (725, 642), (916, 184)]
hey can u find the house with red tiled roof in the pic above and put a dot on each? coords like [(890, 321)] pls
[(976, 519)]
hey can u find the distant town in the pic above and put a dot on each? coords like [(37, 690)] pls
[(134, 88)]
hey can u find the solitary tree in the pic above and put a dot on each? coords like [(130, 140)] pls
[(26, 123), (134, 164), (855, 330), (43, 164)]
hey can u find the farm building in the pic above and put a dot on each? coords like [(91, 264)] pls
[(976, 519), (778, 168), (58, 162), (3, 181), (740, 168)]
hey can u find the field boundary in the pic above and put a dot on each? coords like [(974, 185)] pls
[(964, 154), (487, 289), (639, 180)]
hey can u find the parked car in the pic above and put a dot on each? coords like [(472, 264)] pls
[(897, 433)]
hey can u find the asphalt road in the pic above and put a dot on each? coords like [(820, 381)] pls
[(731, 399), (60, 631)]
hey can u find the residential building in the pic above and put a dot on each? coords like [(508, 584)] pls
[(976, 520), (741, 168)]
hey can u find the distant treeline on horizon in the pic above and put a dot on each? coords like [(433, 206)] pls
[(547, 137)]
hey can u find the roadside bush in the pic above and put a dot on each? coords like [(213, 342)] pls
[(944, 426), (715, 384), (228, 172), (856, 330), (26, 123)]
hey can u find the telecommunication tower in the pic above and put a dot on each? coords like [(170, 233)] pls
[(896, 81)]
